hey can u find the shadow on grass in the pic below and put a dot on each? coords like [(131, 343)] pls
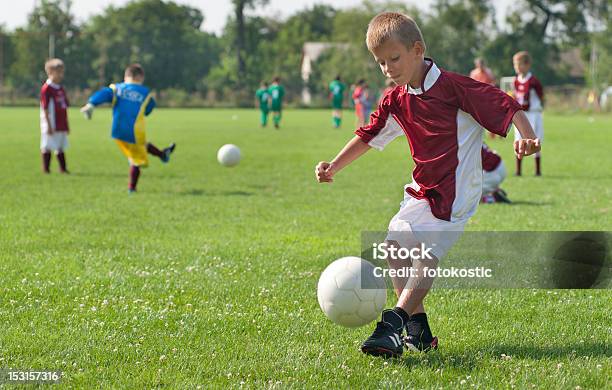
[(198, 192), (553, 351), (437, 359), (529, 203), (560, 176), (441, 359), (97, 174)]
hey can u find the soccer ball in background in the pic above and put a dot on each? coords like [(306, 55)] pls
[(349, 294), (228, 155)]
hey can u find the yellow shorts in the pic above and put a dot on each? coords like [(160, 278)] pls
[(136, 153)]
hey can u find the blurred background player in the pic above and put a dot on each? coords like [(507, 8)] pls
[(131, 102), (336, 94), (529, 93), (484, 75), (358, 98), (389, 86), (262, 99), (277, 92), (493, 174), (369, 100), (53, 116)]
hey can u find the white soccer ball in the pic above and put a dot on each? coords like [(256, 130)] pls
[(228, 155), (349, 294)]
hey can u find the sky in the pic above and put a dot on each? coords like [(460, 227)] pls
[(14, 13)]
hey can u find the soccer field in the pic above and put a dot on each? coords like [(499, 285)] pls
[(207, 276)]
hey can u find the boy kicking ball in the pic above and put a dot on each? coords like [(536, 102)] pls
[(131, 102), (443, 115)]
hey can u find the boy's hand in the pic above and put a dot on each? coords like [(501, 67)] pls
[(324, 172), (526, 147), (87, 110)]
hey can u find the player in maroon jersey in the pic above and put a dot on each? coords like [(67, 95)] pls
[(529, 93), (53, 116), (442, 114)]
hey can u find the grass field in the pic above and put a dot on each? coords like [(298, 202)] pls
[(207, 277)]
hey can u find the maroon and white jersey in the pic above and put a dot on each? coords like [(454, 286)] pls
[(528, 92), (53, 98), (490, 159), (443, 121)]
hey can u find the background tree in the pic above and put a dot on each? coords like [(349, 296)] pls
[(544, 28), (167, 39), (6, 55), (50, 30), (239, 7), (163, 36)]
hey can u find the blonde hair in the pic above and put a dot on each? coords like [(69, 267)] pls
[(387, 25), (53, 64), (523, 56)]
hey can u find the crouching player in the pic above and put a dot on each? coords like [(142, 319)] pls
[(443, 115), (131, 102), (493, 173)]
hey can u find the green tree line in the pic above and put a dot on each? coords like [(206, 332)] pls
[(166, 37)]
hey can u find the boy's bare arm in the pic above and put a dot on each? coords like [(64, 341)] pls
[(528, 144), (49, 128), (354, 149)]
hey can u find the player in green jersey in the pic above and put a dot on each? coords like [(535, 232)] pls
[(262, 99), (336, 94), (277, 92)]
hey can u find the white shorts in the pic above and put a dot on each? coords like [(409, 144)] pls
[(492, 180), (415, 224), (535, 120), (58, 141)]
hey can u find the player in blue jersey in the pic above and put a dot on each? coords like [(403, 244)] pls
[(131, 102)]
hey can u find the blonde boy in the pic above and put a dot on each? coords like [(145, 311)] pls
[(529, 93), (443, 115), (53, 116)]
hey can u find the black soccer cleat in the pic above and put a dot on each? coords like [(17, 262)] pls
[(416, 344), (385, 341), (167, 152), (501, 196)]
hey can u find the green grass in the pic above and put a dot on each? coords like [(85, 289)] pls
[(208, 275)]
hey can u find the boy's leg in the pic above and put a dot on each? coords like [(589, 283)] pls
[(264, 118), (61, 158), (46, 146), (411, 292), (163, 155), (539, 130), (152, 149), (409, 313), (134, 175), (276, 118), (419, 336), (46, 160), (399, 283), (337, 118)]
